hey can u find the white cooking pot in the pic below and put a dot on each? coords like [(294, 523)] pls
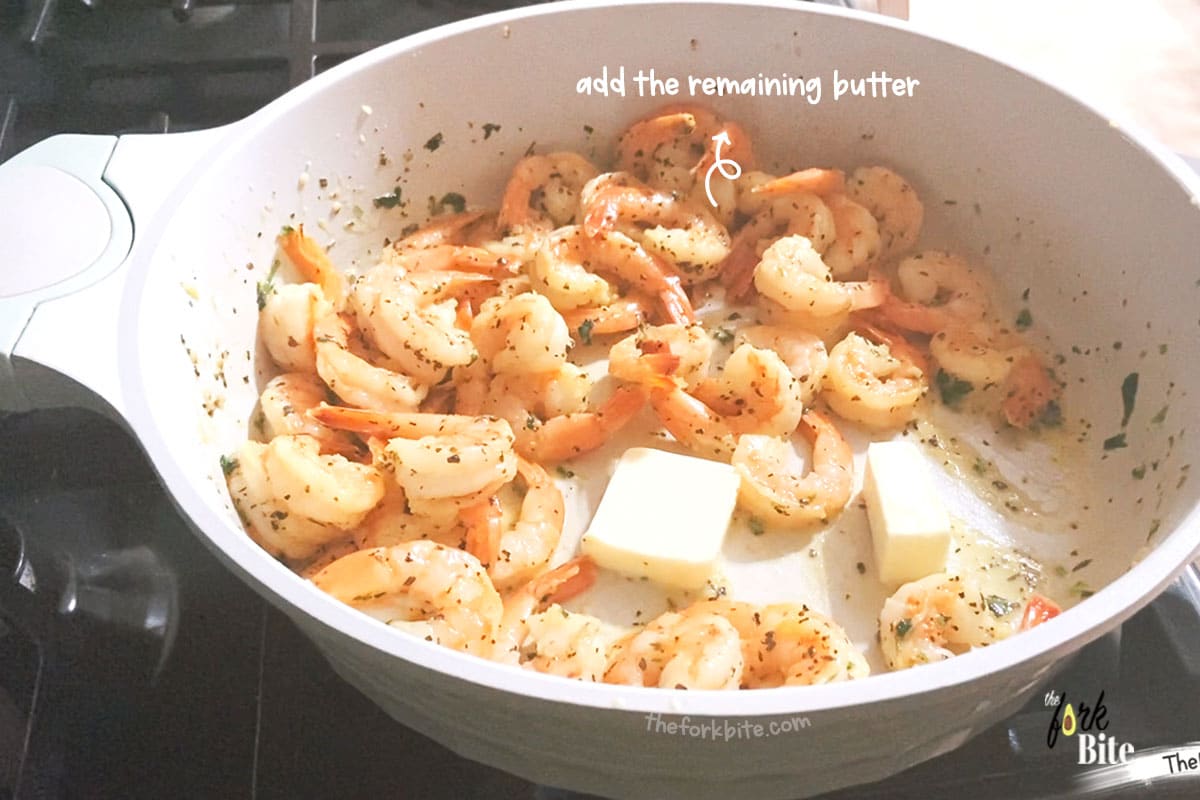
[(132, 278)]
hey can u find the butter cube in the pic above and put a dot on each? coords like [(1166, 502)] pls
[(909, 524), (663, 517)]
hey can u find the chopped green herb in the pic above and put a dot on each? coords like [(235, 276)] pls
[(1024, 319), (286, 230), (1154, 526), (756, 526), (1025, 294), (952, 389), (455, 201), (1115, 442), (723, 335), (489, 128), (434, 142), (1081, 590), (1160, 417), (861, 567), (1060, 571), (1139, 472), (1129, 388), (531, 422), (585, 331), (266, 288), (1081, 565), (903, 627), (563, 472), (390, 200), (1162, 349), (980, 466), (998, 605), (228, 464)]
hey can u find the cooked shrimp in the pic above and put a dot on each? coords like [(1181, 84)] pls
[(791, 645), (391, 523), (937, 290), (543, 192), (566, 436), (297, 500), (284, 402), (682, 351), (795, 215), (544, 394), (893, 203), (513, 555), (804, 353), (562, 271), (981, 353), (756, 391), (650, 274), (557, 585), (568, 644), (435, 457), (285, 325), (773, 491), (813, 180), (686, 234), (521, 335), (792, 274), (857, 243), (935, 618), (445, 587), (625, 314), (875, 381), (314, 264), (450, 257), (692, 422), (1030, 391), (410, 317), (680, 651), (441, 230), (355, 379)]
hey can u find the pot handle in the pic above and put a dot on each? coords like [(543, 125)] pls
[(72, 206)]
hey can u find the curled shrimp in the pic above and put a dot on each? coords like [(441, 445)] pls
[(857, 243), (981, 353), (680, 651), (522, 334), (285, 325), (786, 644), (682, 351), (513, 555), (444, 229), (875, 379), (562, 271), (411, 317), (297, 500), (435, 457), (756, 391), (773, 491), (543, 192), (804, 353), (352, 377), (801, 214), (894, 204), (446, 588), (935, 618), (792, 274), (683, 233), (937, 291), (284, 403), (512, 642)]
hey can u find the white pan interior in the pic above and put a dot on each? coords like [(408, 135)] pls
[(1063, 203)]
